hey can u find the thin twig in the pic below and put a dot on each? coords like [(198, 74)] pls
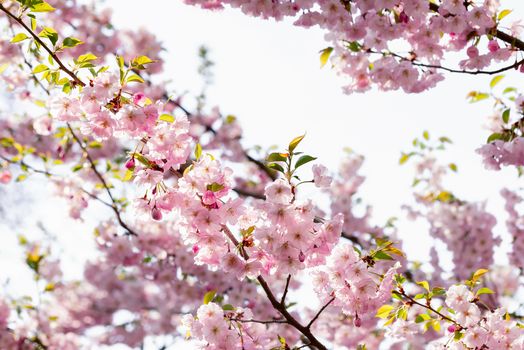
[(319, 312), (283, 300), (429, 307), (114, 205), (258, 321)]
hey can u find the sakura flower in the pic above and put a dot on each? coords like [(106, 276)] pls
[(279, 191), (321, 179)]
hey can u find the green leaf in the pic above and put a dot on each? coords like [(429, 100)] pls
[(484, 291), (198, 151), (355, 46), (42, 7), (303, 160), (495, 81), (294, 143), (40, 68), (453, 167), (276, 166), (128, 175), (503, 14), (324, 56), (505, 115), (479, 273), (167, 118), (422, 318), (140, 61), (476, 96), (86, 58), (277, 157), (495, 136), (209, 296), (384, 311), (228, 307), (71, 42), (458, 335), (438, 291), (19, 37), (49, 33), (425, 134), (424, 284), (134, 77), (404, 158), (381, 255), (21, 177), (215, 187), (508, 90)]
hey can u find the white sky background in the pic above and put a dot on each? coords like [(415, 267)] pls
[(267, 74)]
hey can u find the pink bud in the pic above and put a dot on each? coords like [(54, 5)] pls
[(196, 249), (156, 214), (472, 52), (301, 256), (357, 322), (521, 68), (130, 164), (493, 46), (452, 328)]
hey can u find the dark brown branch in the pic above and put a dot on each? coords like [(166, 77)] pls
[(39, 41), (283, 300), (319, 312), (275, 303), (102, 181), (452, 70)]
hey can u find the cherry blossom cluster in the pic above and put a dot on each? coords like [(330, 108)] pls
[(515, 226), (220, 329), (365, 34), (504, 153), (201, 244), (354, 286)]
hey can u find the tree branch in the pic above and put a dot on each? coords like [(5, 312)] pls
[(274, 302), (39, 41)]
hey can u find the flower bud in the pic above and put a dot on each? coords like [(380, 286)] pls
[(130, 164), (357, 321), (472, 52), (156, 214)]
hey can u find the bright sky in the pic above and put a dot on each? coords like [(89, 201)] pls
[(268, 75)]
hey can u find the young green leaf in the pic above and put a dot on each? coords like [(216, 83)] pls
[(71, 42), (303, 160), (324, 56), (209, 296), (294, 143), (19, 37)]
